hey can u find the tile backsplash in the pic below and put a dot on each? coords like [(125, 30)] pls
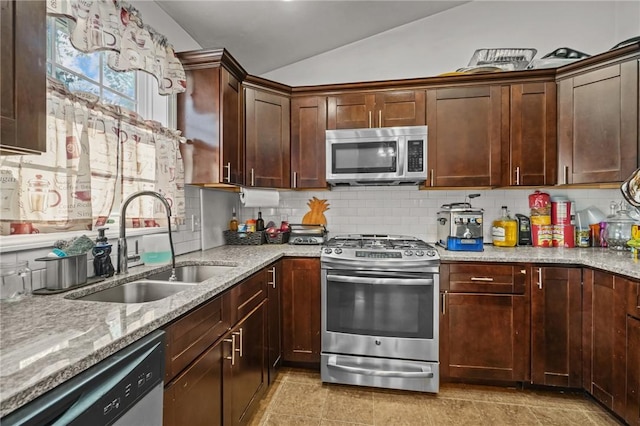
[(409, 211)]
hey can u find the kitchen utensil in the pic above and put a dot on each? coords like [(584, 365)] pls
[(65, 272)]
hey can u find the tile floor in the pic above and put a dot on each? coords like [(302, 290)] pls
[(298, 397)]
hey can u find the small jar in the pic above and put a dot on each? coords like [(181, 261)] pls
[(15, 280)]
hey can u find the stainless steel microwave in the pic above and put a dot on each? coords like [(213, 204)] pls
[(379, 156)]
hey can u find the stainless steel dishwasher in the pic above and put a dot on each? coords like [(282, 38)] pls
[(125, 389)]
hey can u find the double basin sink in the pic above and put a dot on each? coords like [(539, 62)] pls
[(157, 286)]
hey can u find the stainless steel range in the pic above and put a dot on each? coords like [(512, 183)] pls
[(380, 312)]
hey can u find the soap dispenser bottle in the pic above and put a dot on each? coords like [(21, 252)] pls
[(102, 256)]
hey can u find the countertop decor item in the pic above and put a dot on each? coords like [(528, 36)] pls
[(316, 215)]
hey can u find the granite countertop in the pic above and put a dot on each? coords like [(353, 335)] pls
[(45, 340)]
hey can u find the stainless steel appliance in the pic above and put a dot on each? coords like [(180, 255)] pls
[(124, 389), (380, 312), (379, 156), (302, 234), (460, 227)]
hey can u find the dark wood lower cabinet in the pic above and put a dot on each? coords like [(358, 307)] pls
[(556, 326), (301, 310), (195, 397), (632, 411), (274, 295), (245, 369)]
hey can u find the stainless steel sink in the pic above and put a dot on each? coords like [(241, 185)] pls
[(192, 273), (140, 291)]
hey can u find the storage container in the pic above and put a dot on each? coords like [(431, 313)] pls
[(156, 249)]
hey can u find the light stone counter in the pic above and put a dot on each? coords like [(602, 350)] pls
[(45, 340)]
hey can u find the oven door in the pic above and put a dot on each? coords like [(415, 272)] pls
[(370, 159), (380, 314)]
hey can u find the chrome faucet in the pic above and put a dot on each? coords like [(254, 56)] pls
[(122, 240)]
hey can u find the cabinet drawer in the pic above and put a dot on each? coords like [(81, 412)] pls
[(191, 335), (485, 278), (247, 295)]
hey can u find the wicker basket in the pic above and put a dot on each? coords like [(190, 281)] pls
[(234, 238), (277, 238)]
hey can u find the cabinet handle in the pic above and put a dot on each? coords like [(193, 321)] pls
[(444, 303), (240, 339), (518, 175), (485, 279), (233, 348), (253, 183), (431, 178), (273, 277), (380, 118), (228, 177), (566, 175), (540, 278), (370, 126), (295, 179)]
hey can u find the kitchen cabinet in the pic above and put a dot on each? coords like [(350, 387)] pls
[(556, 326), (245, 372), (382, 109), (632, 410), (530, 156), (466, 127), (210, 117), (267, 156), (598, 120), (604, 338), (23, 80), (484, 322), (274, 295), (301, 310), (308, 146)]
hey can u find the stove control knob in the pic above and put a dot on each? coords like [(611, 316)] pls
[(419, 253), (431, 253), (408, 253), (327, 250), (338, 251)]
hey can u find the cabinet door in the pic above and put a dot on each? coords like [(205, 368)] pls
[(466, 128), (301, 310), (485, 336), (274, 295), (556, 326), (400, 108), (632, 412), (23, 80), (351, 111), (232, 164), (308, 146), (598, 125), (604, 338), (531, 157), (266, 139), (195, 397), (245, 379)]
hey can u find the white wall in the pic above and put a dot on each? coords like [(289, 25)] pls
[(447, 41)]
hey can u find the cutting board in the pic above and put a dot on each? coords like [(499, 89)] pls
[(316, 214)]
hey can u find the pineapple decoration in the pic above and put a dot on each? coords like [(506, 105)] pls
[(316, 215)]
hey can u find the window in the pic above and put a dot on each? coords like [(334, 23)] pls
[(87, 72)]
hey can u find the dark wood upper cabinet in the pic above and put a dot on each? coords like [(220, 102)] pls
[(383, 109), (308, 153), (466, 127), (301, 310), (210, 117), (267, 141), (23, 126), (530, 156), (598, 122), (556, 326)]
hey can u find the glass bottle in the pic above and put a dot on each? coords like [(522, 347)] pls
[(260, 222), (233, 223), (505, 230)]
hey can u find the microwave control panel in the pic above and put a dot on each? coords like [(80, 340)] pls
[(415, 156)]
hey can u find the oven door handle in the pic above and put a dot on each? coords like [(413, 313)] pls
[(379, 281), (333, 363)]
